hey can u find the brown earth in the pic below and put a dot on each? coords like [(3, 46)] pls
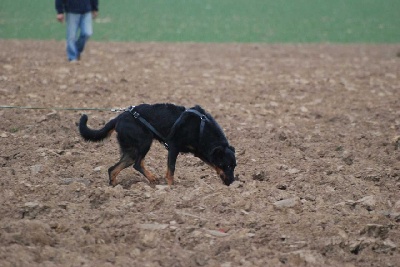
[(316, 130)]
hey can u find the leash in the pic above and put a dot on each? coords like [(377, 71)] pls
[(62, 108), (135, 114)]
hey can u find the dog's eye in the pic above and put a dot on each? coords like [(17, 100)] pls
[(227, 167)]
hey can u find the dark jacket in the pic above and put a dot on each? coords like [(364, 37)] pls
[(76, 6)]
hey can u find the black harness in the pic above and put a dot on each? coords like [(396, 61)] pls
[(136, 115)]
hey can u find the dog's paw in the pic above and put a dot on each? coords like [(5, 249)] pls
[(153, 182)]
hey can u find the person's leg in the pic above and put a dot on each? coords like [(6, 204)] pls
[(86, 28), (72, 21)]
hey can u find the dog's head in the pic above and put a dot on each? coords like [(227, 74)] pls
[(224, 161)]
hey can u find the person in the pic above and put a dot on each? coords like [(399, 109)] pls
[(78, 17)]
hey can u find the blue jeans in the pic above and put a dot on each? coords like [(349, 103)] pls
[(81, 23)]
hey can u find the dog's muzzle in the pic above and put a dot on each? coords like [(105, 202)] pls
[(227, 178)]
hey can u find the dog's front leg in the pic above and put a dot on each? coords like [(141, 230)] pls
[(172, 155)]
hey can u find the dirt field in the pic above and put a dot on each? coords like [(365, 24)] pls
[(316, 130)]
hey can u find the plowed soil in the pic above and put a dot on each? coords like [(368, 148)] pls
[(316, 130)]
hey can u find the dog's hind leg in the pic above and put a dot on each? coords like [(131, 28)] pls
[(123, 163), (172, 155), (139, 166), (139, 160)]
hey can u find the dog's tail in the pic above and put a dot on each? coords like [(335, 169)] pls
[(95, 135)]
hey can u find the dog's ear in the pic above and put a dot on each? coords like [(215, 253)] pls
[(232, 148), (217, 153)]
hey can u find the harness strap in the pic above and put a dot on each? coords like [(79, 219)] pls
[(203, 120), (136, 115), (202, 123)]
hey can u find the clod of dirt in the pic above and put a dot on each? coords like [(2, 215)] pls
[(261, 176), (368, 202), (287, 203), (35, 169), (376, 231), (281, 186), (31, 210), (378, 246), (153, 226), (31, 232), (150, 239), (396, 142), (348, 158)]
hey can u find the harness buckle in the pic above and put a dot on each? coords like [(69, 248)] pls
[(130, 109), (166, 146), (135, 114)]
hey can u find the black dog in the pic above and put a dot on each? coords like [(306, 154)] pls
[(180, 129)]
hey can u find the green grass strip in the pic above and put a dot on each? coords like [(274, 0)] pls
[(269, 21)]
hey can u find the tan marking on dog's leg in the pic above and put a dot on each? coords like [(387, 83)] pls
[(118, 168), (169, 177), (152, 179), (114, 173)]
